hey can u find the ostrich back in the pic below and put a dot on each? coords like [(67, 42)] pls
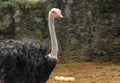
[(24, 63)]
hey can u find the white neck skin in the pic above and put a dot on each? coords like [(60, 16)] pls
[(54, 43)]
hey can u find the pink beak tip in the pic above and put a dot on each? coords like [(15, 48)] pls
[(61, 16)]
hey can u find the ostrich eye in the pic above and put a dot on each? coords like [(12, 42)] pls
[(53, 12)]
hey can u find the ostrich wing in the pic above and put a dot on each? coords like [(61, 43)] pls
[(25, 63)]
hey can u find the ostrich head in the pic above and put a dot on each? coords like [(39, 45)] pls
[(55, 12)]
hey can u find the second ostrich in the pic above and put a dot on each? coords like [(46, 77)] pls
[(29, 63)]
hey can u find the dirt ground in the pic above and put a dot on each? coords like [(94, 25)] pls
[(87, 72)]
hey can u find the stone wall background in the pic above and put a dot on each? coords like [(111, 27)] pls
[(90, 30)]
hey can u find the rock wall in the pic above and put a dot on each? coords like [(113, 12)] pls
[(90, 30)]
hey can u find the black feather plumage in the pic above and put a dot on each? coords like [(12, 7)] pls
[(24, 63)]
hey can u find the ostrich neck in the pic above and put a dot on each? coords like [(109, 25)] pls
[(54, 44)]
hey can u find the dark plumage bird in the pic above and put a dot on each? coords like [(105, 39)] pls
[(29, 63)]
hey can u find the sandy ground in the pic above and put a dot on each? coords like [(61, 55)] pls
[(87, 72)]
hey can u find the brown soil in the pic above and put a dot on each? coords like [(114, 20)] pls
[(87, 72)]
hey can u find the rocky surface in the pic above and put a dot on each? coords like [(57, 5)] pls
[(90, 30)]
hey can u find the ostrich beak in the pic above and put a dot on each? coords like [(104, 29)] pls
[(58, 15)]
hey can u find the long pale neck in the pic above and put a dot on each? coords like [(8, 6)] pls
[(54, 43)]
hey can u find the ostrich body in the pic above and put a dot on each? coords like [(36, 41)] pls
[(29, 63)]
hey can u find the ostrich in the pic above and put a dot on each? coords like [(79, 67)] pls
[(29, 63)]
